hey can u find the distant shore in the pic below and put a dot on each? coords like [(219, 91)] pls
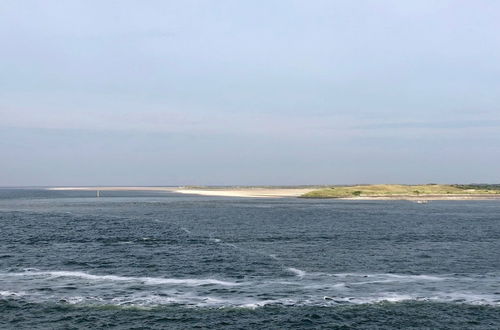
[(111, 188), (409, 192), (250, 192), (287, 192), (443, 197)]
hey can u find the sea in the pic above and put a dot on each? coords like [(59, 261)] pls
[(160, 260)]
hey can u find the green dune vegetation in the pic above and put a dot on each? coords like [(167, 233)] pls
[(397, 190)]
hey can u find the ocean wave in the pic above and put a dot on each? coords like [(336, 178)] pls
[(422, 277), (441, 297), (191, 300), (188, 300), (296, 271), (144, 280), (187, 231), (12, 294), (304, 289)]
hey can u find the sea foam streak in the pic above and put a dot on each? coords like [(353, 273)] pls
[(296, 271), (394, 276), (145, 280)]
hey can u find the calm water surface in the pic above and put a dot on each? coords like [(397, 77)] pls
[(161, 260)]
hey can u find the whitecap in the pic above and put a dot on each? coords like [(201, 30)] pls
[(415, 277), (145, 280), (388, 277), (339, 285), (187, 231), (11, 294), (296, 271), (256, 304)]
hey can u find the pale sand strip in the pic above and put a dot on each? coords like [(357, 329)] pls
[(116, 188), (223, 192), (248, 192)]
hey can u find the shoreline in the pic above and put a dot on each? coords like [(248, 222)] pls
[(248, 192), (279, 192), (111, 188), (443, 197)]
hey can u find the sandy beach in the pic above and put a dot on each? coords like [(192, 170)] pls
[(250, 192), (110, 188)]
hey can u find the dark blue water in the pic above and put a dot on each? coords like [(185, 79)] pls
[(160, 260)]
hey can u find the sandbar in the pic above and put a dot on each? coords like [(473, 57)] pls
[(249, 192)]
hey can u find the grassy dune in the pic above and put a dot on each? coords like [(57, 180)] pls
[(388, 190)]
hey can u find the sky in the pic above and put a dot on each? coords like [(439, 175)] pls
[(270, 92)]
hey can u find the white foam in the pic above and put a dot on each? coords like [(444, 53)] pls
[(339, 285), (187, 231), (186, 281), (471, 299), (256, 304), (372, 282), (189, 299), (12, 294), (384, 278), (76, 300), (145, 280), (467, 297), (415, 277), (383, 297), (305, 289), (298, 272), (396, 298)]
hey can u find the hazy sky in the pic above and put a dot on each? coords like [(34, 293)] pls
[(249, 92)]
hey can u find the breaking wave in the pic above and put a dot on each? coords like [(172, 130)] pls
[(305, 289)]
